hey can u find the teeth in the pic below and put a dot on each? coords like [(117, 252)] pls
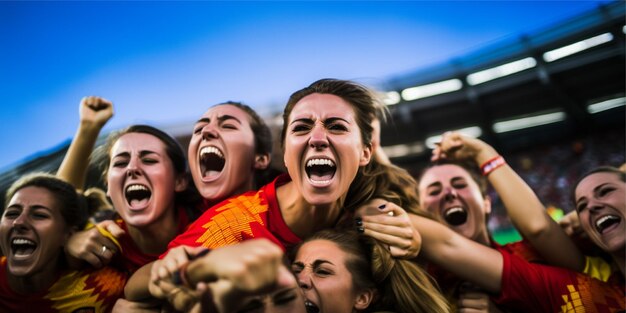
[(214, 150), (21, 241), (454, 210), (136, 187), (320, 162), (604, 219)]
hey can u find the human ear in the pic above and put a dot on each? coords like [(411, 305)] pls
[(363, 299), (261, 161), (181, 183), (487, 205), (366, 155)]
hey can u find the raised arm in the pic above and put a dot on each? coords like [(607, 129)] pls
[(94, 113), (525, 210), (466, 258)]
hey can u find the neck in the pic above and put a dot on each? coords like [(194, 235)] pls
[(38, 282), (301, 217), (154, 238)]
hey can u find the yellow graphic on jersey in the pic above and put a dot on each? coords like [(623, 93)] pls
[(233, 219)]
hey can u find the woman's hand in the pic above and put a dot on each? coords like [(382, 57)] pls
[(390, 224), (97, 245), (95, 111)]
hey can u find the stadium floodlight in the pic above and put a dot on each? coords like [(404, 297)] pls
[(606, 105), (528, 121), (501, 71), (396, 151), (577, 47), (433, 89), (624, 29), (472, 131), (391, 97)]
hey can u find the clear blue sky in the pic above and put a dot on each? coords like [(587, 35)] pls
[(164, 63)]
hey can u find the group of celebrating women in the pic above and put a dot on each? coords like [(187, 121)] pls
[(343, 230)]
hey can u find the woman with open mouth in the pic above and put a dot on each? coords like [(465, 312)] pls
[(454, 192), (514, 283), (327, 150), (146, 176), (41, 213)]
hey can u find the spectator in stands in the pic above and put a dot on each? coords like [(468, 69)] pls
[(41, 213), (327, 136)]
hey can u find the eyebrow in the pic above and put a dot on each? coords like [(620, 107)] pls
[(326, 121), (220, 119), (315, 263), (142, 153)]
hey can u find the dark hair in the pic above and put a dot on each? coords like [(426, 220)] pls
[(73, 206), (601, 169), (401, 285), (190, 196), (360, 97)]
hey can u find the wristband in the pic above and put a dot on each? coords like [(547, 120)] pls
[(492, 165)]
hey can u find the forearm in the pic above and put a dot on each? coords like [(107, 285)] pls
[(74, 166), (467, 259), (529, 216), (136, 288)]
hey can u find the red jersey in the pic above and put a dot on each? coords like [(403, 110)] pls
[(254, 214), (74, 292), (450, 283), (131, 258), (529, 287)]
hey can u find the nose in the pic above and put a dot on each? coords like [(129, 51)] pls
[(450, 194), (594, 205), (209, 132), (132, 170), (318, 138), (20, 221), (304, 280)]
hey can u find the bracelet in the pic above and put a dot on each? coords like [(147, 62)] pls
[(492, 165)]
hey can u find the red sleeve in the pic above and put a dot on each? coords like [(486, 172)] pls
[(529, 287)]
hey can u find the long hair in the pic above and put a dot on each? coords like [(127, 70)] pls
[(400, 285)]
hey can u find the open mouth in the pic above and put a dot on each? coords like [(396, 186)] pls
[(320, 171), (311, 307), (22, 247), (137, 195), (455, 216), (606, 222), (211, 162)]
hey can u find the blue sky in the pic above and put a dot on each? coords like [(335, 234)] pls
[(165, 63)]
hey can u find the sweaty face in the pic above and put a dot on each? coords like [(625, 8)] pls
[(320, 266), (601, 205), (33, 232), (141, 180), (450, 193), (323, 148), (222, 153)]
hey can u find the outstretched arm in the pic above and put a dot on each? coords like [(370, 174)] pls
[(525, 210), (94, 113), (466, 258)]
